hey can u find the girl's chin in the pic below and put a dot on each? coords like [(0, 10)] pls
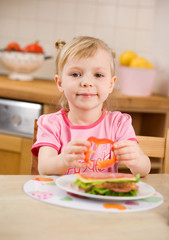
[(87, 107)]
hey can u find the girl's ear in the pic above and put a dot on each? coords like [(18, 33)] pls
[(113, 80), (59, 83)]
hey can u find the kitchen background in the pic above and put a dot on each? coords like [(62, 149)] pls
[(137, 25)]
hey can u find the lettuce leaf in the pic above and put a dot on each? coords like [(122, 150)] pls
[(108, 192), (84, 185)]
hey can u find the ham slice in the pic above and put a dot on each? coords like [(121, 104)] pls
[(123, 190), (118, 187), (105, 175)]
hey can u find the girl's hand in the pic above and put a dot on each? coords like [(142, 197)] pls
[(129, 153), (74, 152)]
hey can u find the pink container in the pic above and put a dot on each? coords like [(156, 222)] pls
[(136, 81)]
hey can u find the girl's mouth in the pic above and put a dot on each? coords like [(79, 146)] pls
[(88, 95)]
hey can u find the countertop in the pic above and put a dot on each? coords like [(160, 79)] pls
[(38, 90), (46, 92), (24, 218)]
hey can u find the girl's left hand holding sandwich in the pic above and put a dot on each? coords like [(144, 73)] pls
[(130, 154), (69, 158)]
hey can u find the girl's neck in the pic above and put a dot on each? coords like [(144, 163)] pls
[(82, 118)]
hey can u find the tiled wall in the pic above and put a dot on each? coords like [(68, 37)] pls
[(123, 24)]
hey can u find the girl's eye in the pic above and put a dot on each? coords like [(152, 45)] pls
[(99, 75), (75, 74)]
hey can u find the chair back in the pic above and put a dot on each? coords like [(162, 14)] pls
[(34, 166), (157, 148), (153, 147)]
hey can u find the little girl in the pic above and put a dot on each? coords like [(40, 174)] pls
[(86, 76)]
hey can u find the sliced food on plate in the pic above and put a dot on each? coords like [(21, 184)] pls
[(108, 184)]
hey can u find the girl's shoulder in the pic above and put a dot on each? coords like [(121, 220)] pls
[(50, 118), (117, 119), (117, 115)]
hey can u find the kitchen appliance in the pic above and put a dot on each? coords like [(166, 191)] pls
[(17, 117)]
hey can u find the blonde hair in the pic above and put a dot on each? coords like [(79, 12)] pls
[(79, 47)]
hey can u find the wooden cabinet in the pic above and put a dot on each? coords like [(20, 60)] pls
[(15, 155)]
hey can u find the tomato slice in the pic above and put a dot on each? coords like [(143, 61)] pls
[(43, 179)]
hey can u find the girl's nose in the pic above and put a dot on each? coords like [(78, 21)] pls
[(86, 82)]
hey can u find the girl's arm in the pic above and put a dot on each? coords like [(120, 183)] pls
[(130, 154), (50, 162)]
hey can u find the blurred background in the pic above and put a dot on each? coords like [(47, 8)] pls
[(137, 25)]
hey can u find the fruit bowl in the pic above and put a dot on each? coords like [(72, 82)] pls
[(22, 64), (136, 81), (136, 75)]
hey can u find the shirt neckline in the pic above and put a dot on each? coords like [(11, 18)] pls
[(64, 115)]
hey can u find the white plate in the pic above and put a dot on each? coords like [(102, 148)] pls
[(65, 183)]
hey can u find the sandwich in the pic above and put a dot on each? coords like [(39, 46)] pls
[(107, 184)]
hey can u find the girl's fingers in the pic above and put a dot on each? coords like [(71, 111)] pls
[(81, 142), (77, 146), (124, 150), (73, 162), (124, 143), (75, 149), (80, 165), (74, 157), (126, 157), (128, 163)]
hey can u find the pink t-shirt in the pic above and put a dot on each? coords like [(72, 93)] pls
[(55, 130)]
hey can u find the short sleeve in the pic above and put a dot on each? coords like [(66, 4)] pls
[(47, 134), (124, 128)]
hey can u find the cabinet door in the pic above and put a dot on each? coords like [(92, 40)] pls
[(15, 155)]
